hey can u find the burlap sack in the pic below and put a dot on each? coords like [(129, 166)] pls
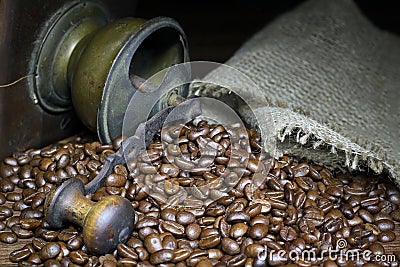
[(332, 81)]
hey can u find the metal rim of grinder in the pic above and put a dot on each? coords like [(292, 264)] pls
[(68, 28), (86, 63)]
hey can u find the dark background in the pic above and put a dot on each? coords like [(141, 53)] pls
[(216, 29)]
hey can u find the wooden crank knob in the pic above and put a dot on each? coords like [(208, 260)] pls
[(104, 224)]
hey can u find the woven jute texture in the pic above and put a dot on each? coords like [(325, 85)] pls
[(332, 81)]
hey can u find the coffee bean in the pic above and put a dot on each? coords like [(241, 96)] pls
[(366, 216), (386, 236), (299, 199), (37, 244), (239, 216), (193, 231), (161, 256), (277, 259), (78, 257), (2, 226), (287, 233), (173, 227), (146, 222), (142, 253), (169, 242), (153, 243), (5, 212), (376, 249), (75, 243), (29, 223), (20, 255), (210, 241), (396, 215), (185, 218), (381, 216), (385, 225), (115, 180), (8, 237), (181, 255), (258, 231), (215, 209), (21, 233), (238, 230), (35, 259), (230, 246), (31, 213), (49, 251)]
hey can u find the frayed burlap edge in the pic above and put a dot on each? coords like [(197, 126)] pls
[(300, 136)]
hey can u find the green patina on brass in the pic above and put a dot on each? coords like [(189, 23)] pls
[(94, 65)]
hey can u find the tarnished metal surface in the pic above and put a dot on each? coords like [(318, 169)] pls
[(24, 123)]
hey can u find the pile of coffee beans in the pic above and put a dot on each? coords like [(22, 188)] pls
[(205, 195)]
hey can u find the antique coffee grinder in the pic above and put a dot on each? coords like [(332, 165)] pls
[(75, 58), (90, 64)]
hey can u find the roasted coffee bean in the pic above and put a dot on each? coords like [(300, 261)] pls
[(116, 180), (210, 241), (287, 233), (78, 257), (230, 246), (8, 237), (386, 236), (385, 225), (376, 249), (238, 230), (21, 233), (277, 259), (29, 223), (2, 226), (161, 256), (258, 231), (20, 255), (381, 216), (193, 231), (5, 212), (146, 222), (396, 215), (31, 213), (13, 196), (173, 227), (181, 255), (299, 199), (169, 242), (239, 216), (2, 198), (185, 218), (142, 253), (153, 243), (366, 216), (35, 259), (50, 251), (75, 243)]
